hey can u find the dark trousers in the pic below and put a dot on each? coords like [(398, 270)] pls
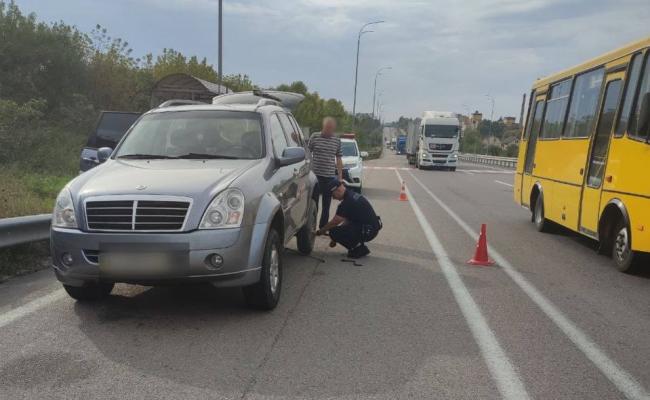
[(323, 182), (348, 235)]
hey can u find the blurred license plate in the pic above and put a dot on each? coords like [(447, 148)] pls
[(115, 263)]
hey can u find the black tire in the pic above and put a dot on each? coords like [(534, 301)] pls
[(452, 169), (625, 259), (541, 223), (265, 294), (306, 236), (90, 291)]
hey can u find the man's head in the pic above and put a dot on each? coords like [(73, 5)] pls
[(329, 126), (337, 188)]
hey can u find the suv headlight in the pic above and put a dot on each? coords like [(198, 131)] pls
[(225, 211), (63, 215)]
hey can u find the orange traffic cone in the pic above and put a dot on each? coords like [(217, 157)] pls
[(402, 193), (481, 254)]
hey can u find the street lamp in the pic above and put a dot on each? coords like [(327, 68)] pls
[(491, 122), (356, 68), (374, 95)]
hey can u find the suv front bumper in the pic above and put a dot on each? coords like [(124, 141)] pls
[(240, 248)]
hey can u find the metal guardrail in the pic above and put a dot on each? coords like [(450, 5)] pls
[(27, 229), (489, 160)]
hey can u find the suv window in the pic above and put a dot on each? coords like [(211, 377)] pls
[(293, 137), (277, 136), (298, 130), (584, 104), (111, 127)]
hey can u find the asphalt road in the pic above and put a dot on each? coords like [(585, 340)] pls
[(551, 320)]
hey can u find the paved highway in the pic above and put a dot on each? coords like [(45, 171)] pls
[(552, 320)]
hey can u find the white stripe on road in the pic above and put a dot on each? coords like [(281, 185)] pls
[(503, 183), (508, 381), (28, 308), (614, 372)]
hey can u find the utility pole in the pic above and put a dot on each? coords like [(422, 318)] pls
[(220, 68), (356, 68), (491, 122)]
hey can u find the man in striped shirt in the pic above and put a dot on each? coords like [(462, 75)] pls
[(326, 163)]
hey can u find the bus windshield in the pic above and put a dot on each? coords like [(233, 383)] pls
[(441, 131)]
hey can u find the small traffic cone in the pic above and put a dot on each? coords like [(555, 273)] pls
[(402, 193), (481, 254)]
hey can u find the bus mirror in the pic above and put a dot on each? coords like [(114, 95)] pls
[(644, 116)]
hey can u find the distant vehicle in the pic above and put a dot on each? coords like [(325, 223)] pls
[(192, 193), (584, 155), (400, 146), (353, 163), (438, 140), (393, 142), (109, 129), (412, 143)]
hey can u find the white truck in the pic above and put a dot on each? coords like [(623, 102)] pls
[(438, 140)]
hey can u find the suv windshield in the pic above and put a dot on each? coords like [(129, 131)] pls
[(440, 131), (349, 149), (195, 135)]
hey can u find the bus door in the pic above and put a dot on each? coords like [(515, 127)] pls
[(597, 160), (533, 129)]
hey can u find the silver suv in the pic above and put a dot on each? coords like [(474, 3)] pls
[(191, 193)]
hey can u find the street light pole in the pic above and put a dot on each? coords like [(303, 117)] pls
[(491, 122), (220, 68), (374, 95), (356, 68)]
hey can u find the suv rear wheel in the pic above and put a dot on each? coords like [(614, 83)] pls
[(266, 293)]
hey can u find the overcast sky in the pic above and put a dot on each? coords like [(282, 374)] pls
[(445, 55)]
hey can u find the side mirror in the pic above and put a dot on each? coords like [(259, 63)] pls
[(643, 128), (364, 154), (103, 153), (292, 155)]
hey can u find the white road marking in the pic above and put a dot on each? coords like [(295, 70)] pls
[(485, 171), (504, 183), (28, 308), (501, 369), (466, 171), (625, 382), (388, 168)]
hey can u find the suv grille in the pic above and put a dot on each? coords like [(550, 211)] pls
[(440, 146), (136, 215)]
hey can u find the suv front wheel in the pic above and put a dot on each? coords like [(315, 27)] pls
[(266, 293)]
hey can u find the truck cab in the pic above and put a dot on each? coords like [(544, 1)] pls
[(438, 142)]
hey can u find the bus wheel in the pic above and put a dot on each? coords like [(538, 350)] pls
[(541, 223), (622, 252)]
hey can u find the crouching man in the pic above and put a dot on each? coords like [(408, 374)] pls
[(355, 222)]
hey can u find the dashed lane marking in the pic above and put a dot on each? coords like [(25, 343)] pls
[(504, 183)]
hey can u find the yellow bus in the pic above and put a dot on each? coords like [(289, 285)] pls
[(584, 154)]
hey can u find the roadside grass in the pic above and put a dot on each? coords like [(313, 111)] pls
[(28, 193), (24, 259)]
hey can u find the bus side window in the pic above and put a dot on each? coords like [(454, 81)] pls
[(633, 74), (634, 130), (584, 104), (529, 123)]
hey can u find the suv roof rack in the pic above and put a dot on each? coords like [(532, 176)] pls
[(260, 98), (179, 102)]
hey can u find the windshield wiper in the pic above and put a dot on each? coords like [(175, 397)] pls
[(146, 157), (199, 156)]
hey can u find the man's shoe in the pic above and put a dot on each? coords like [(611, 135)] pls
[(332, 243), (359, 251)]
